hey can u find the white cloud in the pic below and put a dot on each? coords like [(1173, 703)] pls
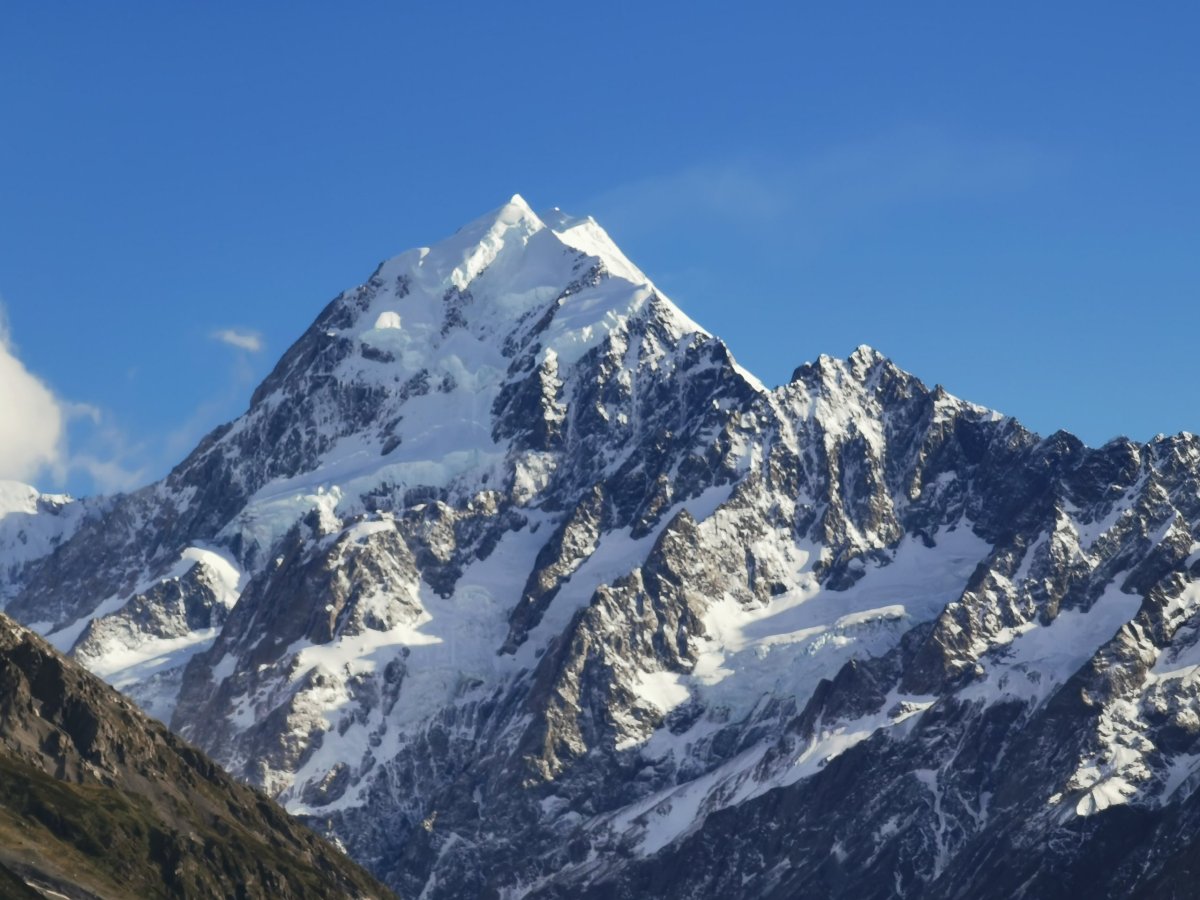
[(32, 419), (243, 340)]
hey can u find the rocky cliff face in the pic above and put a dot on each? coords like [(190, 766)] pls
[(513, 580), (97, 800)]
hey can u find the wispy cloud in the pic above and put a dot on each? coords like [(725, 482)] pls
[(244, 340), (111, 459), (824, 191), (227, 400), (100, 451), (36, 428), (49, 440), (180, 440), (109, 475)]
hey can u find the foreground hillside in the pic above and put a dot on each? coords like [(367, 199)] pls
[(514, 581), (97, 800)]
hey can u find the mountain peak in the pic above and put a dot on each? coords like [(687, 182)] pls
[(460, 258), (500, 267), (401, 381), (456, 261), (585, 234), (866, 355)]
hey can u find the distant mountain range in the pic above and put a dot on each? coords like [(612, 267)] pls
[(515, 583)]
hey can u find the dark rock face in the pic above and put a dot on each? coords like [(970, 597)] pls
[(97, 800), (515, 582)]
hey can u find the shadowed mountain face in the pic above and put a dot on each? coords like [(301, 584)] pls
[(98, 800), (515, 582)]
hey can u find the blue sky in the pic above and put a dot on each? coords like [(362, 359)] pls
[(1004, 200)]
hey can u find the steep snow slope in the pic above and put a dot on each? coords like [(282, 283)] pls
[(513, 580)]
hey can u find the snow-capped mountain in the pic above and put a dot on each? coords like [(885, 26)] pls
[(514, 581)]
